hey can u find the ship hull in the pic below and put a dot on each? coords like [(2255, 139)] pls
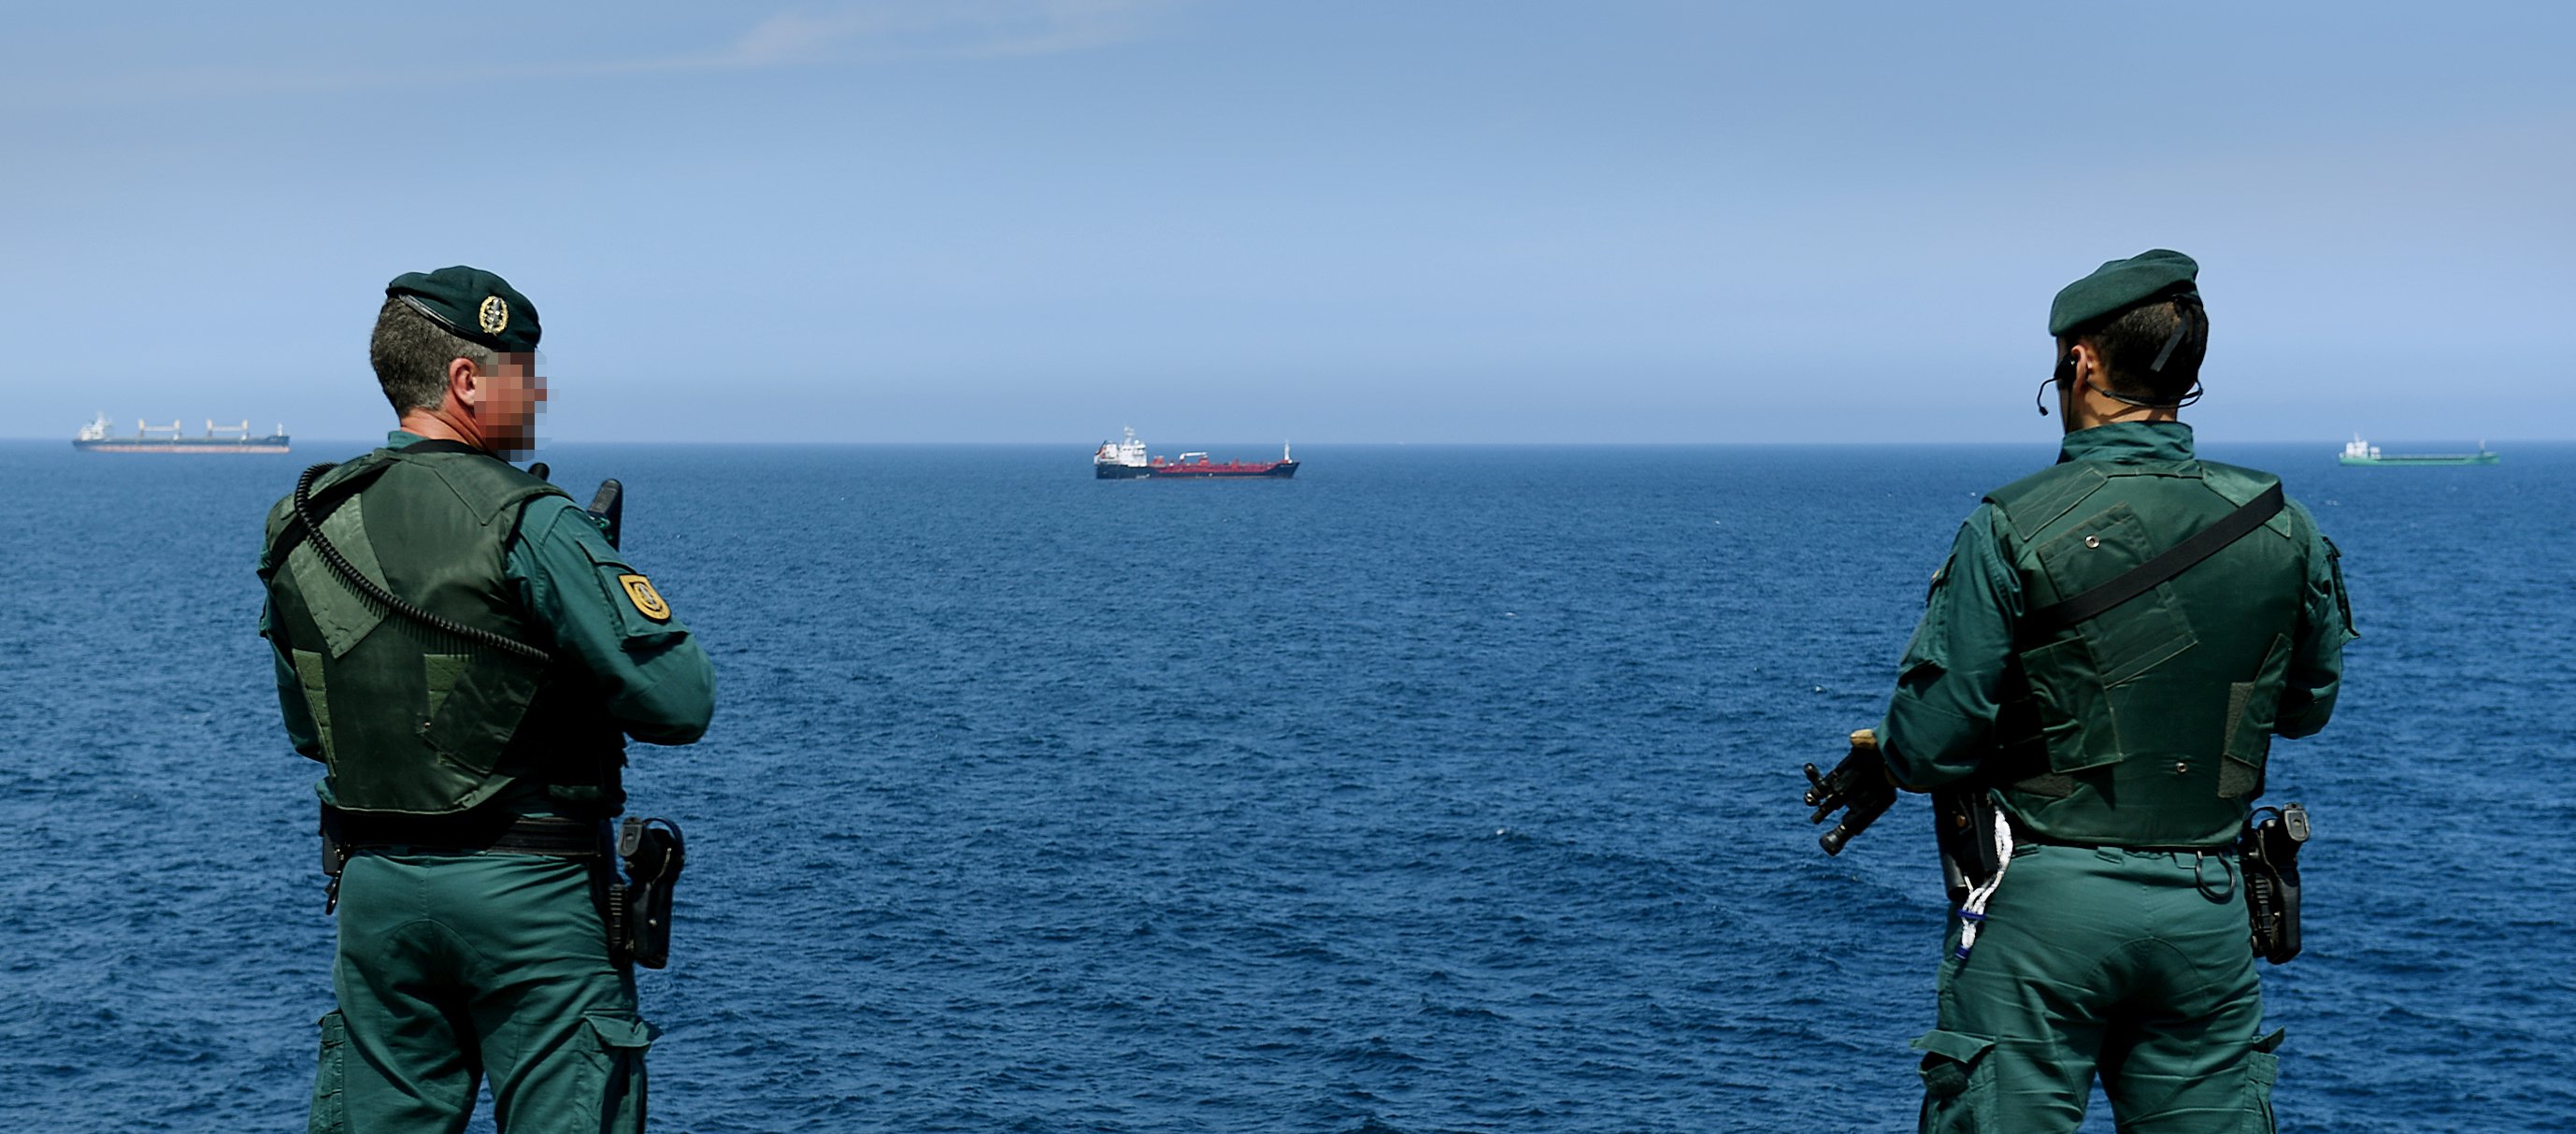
[(1119, 472), (1281, 470), (275, 444), (2428, 460)]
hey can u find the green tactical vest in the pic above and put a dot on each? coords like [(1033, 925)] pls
[(2148, 724), (414, 720)]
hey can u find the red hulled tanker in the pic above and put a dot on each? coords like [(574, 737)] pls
[(1126, 460)]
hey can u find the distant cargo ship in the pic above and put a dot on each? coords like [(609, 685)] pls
[(2360, 452), (1125, 460), (147, 438)]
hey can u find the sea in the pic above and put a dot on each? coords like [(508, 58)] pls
[(1441, 788)]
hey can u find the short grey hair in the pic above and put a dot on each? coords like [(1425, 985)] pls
[(411, 354)]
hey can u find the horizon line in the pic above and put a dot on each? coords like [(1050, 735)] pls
[(1510, 442)]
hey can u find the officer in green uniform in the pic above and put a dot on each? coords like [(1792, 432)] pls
[(465, 651), (2121, 749)]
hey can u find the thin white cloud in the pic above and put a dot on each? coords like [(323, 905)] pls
[(953, 28), (809, 35), (795, 37)]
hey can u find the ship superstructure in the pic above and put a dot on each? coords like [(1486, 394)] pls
[(1120, 460), (98, 437)]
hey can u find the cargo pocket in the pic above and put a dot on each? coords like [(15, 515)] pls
[(2262, 1069), (617, 1056), (330, 1113), (2139, 634), (317, 700), (441, 672), (1958, 1083), (2253, 708), (477, 706), (2075, 720)]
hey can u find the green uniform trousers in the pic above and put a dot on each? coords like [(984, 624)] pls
[(453, 966), (2130, 964)]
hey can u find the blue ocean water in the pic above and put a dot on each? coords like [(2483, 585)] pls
[(1439, 789)]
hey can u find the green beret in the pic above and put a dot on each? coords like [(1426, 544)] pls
[(2119, 285), (473, 305)]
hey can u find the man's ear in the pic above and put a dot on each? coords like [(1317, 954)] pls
[(464, 385)]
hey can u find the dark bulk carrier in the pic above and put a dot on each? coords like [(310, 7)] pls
[(1124, 460), (166, 439)]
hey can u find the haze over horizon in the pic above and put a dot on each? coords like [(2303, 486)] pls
[(1043, 220)]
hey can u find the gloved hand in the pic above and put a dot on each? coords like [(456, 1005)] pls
[(1861, 787)]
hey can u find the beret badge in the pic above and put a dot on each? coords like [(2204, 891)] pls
[(471, 304)]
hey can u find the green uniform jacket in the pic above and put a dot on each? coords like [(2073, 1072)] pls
[(1950, 715), (657, 683)]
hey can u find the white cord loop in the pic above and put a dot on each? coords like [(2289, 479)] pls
[(1972, 913)]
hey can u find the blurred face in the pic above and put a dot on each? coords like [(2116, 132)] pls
[(511, 398)]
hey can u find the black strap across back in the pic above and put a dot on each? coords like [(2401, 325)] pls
[(2147, 576)]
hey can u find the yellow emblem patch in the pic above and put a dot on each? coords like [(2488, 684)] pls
[(495, 316), (648, 602)]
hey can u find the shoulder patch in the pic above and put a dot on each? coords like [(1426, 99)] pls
[(648, 602)]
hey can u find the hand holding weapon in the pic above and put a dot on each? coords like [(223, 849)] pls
[(1859, 787)]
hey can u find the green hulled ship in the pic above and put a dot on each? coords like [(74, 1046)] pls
[(2360, 452)]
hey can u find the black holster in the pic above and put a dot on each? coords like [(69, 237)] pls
[(2269, 851), (638, 909), (1963, 821), (335, 857)]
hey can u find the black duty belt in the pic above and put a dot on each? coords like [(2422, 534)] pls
[(513, 834), (2024, 836)]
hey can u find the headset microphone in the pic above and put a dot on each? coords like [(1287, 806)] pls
[(2065, 374)]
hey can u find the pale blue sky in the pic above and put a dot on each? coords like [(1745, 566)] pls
[(1039, 220)]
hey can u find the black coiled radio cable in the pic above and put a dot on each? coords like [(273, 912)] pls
[(367, 587)]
